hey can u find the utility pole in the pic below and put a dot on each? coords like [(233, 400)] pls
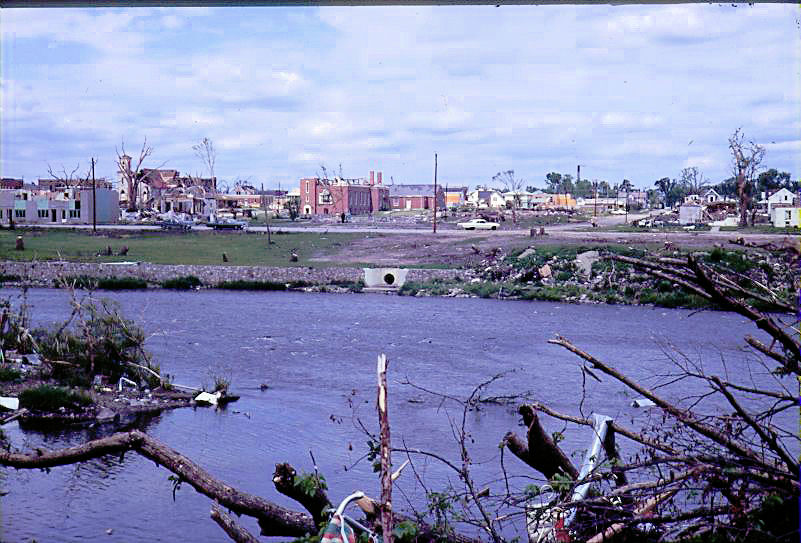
[(435, 193), (94, 199)]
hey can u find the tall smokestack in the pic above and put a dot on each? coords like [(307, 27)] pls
[(379, 178), (372, 178)]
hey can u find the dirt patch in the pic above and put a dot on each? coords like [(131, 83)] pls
[(448, 250), (456, 250)]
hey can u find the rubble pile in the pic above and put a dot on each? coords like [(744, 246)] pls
[(586, 275)]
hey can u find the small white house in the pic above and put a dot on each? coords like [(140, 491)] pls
[(483, 198), (782, 217), (711, 196), (780, 197)]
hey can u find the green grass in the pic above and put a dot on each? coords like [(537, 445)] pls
[(48, 398), (157, 247)]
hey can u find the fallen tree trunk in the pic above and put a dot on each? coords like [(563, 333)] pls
[(273, 519), (230, 527)]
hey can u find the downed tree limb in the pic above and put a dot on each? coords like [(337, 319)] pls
[(612, 426), (686, 417), (540, 452), (285, 481), (643, 510), (767, 436), (273, 519), (762, 321), (229, 525)]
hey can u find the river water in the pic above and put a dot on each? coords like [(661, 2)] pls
[(317, 353)]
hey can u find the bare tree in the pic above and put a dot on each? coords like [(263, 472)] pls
[(746, 159), (694, 180), (511, 184), (208, 155), (131, 172), (68, 179)]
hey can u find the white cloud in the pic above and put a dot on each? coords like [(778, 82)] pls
[(624, 88)]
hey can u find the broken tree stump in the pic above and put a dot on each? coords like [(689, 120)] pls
[(540, 452), (285, 483)]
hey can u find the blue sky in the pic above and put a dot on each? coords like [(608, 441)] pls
[(635, 92)]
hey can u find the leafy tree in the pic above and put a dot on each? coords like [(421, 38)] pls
[(554, 181), (666, 186), (771, 180), (727, 187), (584, 188)]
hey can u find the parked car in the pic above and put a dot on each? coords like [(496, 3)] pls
[(478, 224), (228, 224), (176, 224)]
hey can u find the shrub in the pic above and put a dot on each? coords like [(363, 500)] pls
[(355, 286), (48, 398), (100, 342), (482, 290), (121, 283), (8, 373), (84, 282), (186, 282), (241, 284), (9, 278), (410, 288), (563, 276)]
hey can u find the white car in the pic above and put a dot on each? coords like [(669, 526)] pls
[(478, 224)]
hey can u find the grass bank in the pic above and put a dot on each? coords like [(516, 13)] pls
[(157, 247)]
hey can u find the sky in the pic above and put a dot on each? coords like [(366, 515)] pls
[(627, 92)]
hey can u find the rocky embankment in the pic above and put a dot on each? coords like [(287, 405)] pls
[(46, 274)]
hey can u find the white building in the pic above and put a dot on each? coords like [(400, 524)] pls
[(784, 216), (483, 198), (71, 205), (781, 196)]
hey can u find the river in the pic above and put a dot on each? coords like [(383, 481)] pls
[(317, 353)]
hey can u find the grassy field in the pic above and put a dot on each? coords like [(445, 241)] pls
[(761, 229), (201, 248)]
